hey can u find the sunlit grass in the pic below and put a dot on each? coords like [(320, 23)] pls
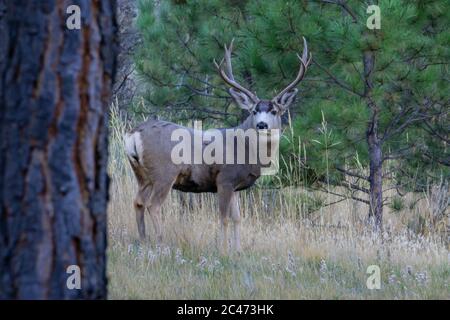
[(290, 251)]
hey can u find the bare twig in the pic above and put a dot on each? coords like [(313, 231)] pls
[(337, 81)]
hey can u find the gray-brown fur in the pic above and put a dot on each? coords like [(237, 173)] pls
[(149, 149)]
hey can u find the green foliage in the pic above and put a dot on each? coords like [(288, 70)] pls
[(181, 39), (397, 204)]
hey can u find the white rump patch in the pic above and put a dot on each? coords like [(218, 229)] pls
[(133, 145)]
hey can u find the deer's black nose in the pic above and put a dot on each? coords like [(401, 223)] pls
[(262, 125)]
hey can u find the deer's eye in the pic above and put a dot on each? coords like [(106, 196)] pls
[(274, 112), (254, 112)]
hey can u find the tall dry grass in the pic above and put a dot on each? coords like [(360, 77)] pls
[(289, 252)]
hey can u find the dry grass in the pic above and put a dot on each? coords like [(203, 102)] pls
[(288, 252)]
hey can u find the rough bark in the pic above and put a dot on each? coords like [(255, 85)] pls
[(126, 84), (55, 87), (376, 172)]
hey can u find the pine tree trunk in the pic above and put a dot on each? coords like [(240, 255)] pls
[(55, 87), (374, 145), (376, 176)]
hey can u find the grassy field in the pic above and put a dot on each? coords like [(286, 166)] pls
[(289, 252)]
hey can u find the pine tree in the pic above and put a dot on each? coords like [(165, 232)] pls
[(372, 102)]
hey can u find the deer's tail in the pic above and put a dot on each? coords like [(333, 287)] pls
[(133, 147)]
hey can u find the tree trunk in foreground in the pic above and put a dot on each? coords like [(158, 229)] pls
[(55, 87)]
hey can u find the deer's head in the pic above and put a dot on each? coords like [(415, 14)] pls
[(265, 114)]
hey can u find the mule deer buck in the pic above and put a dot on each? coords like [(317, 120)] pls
[(149, 149)]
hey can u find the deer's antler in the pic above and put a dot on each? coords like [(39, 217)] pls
[(228, 75), (305, 60)]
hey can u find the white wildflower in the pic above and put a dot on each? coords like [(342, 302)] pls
[(203, 262), (151, 256), (179, 257), (360, 265), (290, 265), (392, 279), (140, 253), (323, 270), (166, 251), (422, 277)]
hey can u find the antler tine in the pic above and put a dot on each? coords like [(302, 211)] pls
[(228, 58), (304, 63), (216, 64), (228, 76)]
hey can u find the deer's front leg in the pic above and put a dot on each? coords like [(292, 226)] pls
[(236, 217), (225, 194)]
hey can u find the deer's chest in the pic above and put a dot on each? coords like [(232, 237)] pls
[(247, 179), (196, 179), (205, 180)]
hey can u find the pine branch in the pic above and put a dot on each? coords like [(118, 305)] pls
[(337, 81), (343, 4), (352, 196), (352, 174)]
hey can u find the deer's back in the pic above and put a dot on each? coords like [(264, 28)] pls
[(152, 148)]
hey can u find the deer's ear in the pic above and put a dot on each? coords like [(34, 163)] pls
[(286, 100), (242, 100)]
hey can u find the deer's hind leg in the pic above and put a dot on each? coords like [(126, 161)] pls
[(236, 217), (140, 203)]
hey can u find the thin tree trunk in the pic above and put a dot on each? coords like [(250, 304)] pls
[(374, 145), (55, 87), (376, 174)]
